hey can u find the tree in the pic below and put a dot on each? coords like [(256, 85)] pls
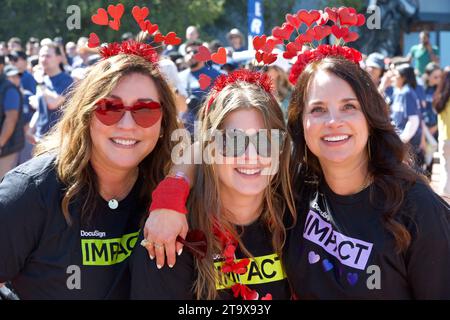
[(43, 18)]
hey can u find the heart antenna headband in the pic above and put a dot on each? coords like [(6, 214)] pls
[(243, 75), (146, 51), (320, 24)]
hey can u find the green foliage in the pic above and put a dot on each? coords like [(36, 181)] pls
[(275, 12), (44, 18)]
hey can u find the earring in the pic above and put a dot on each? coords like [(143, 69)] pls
[(368, 149), (162, 135)]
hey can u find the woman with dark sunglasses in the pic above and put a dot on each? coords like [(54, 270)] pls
[(240, 200), (70, 217)]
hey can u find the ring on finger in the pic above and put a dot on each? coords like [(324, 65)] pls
[(146, 243)]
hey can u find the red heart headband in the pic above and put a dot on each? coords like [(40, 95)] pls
[(329, 21), (129, 47), (204, 55), (244, 75)]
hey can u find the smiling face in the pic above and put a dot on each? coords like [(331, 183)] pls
[(49, 60), (122, 146), (435, 77), (397, 79), (243, 175), (336, 130)]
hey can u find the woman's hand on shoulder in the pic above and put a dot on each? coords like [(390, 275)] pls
[(161, 230)]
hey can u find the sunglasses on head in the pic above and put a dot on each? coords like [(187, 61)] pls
[(144, 113), (234, 142)]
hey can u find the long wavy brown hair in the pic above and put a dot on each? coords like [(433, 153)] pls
[(390, 163), (205, 203), (70, 138)]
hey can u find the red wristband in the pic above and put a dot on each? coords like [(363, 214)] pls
[(172, 194)]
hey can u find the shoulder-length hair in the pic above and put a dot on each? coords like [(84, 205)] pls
[(70, 138), (390, 161), (205, 201)]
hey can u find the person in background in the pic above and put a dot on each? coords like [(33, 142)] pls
[(3, 48), (19, 60), (375, 67), (431, 79), (50, 96), (32, 47), (282, 86), (127, 36), (80, 59), (32, 62), (15, 44), (423, 53), (11, 130), (192, 34), (405, 109), (71, 52), (441, 103), (190, 80), (27, 85), (236, 40), (169, 71)]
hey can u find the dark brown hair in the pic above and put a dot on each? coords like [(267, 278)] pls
[(442, 94), (390, 162)]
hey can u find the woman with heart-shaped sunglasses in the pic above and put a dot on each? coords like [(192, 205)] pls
[(70, 217), (239, 202)]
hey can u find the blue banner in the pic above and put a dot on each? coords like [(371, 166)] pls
[(255, 18)]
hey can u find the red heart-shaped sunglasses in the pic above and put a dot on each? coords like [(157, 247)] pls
[(144, 113)]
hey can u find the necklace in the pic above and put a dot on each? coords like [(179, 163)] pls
[(113, 203)]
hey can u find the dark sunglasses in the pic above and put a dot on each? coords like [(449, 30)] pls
[(13, 58), (145, 114), (195, 243), (195, 51), (234, 143)]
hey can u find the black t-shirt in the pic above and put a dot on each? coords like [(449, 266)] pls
[(340, 249), (43, 257), (264, 274)]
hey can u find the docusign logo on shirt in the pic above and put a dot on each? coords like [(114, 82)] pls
[(105, 252)]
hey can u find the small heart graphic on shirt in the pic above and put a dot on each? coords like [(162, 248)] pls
[(352, 278), (327, 265), (313, 257)]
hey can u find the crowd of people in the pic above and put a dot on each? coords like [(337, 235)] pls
[(87, 150), (413, 87)]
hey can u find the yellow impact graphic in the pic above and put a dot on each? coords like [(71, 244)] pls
[(260, 270), (106, 252)]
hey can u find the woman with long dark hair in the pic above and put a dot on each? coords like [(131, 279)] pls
[(362, 208)]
